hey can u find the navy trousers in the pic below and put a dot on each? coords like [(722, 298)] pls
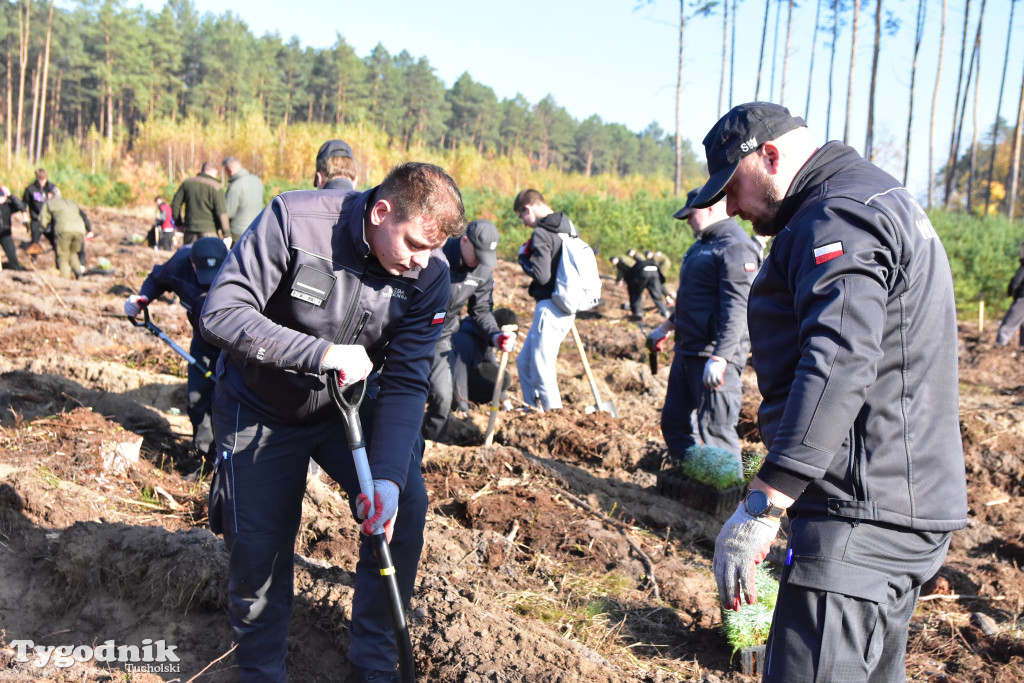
[(693, 414), (256, 501), (847, 593)]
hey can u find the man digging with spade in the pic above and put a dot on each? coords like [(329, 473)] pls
[(326, 280)]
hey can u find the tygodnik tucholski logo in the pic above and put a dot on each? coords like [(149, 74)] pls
[(153, 656)]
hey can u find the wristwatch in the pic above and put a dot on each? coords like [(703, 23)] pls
[(758, 504)]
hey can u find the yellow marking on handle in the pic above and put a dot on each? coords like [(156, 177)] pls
[(387, 572), (494, 408)]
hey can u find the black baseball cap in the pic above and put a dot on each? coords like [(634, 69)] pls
[(333, 148), (684, 213), (740, 132), (207, 254), (484, 237)]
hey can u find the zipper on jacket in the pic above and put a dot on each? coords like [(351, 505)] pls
[(359, 327)]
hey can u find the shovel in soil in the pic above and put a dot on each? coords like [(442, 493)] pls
[(607, 406), (496, 397), (357, 444), (156, 331)]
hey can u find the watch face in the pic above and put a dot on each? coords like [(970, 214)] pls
[(756, 502)]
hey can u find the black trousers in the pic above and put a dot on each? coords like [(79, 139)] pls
[(439, 396), (7, 242), (847, 593)]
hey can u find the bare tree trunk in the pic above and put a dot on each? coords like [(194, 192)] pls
[(935, 98), (869, 153), (999, 106), (814, 49), (974, 140), (955, 151), (849, 82), (974, 120), (725, 44), (55, 120), (832, 68), (760, 60), (679, 101), (10, 103), (775, 52), (785, 55), (35, 109), (918, 31), (46, 75), (953, 143), (1014, 172), (24, 23), (732, 52), (109, 59)]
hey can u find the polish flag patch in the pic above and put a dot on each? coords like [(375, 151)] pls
[(750, 267), (438, 318), (827, 252)]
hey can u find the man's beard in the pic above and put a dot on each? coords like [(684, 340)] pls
[(765, 223)]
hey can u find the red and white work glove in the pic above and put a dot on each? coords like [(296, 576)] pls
[(350, 360), (134, 304), (505, 341), (714, 372), (526, 249), (742, 544), (659, 335), (381, 515)]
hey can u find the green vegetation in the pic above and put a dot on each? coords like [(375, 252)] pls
[(750, 625), (712, 466)]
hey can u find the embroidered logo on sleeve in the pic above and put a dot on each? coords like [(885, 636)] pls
[(828, 252), (438, 318)]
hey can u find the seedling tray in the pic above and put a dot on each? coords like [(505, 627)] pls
[(676, 485)]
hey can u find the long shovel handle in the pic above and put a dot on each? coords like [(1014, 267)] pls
[(492, 419), (157, 332), (357, 444), (586, 366)]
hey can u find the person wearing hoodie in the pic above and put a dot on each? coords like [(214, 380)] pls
[(539, 257)]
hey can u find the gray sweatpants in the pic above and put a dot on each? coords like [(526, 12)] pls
[(536, 362)]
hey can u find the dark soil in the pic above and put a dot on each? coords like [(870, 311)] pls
[(549, 556)]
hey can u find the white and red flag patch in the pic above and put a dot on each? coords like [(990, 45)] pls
[(438, 318), (749, 267), (827, 252)]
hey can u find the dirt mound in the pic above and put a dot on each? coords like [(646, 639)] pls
[(549, 556)]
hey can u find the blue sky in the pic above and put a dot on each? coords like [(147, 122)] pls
[(619, 59)]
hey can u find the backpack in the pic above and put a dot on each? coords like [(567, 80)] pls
[(577, 281)]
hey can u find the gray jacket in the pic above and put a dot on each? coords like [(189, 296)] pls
[(301, 278), (854, 340), (244, 200)]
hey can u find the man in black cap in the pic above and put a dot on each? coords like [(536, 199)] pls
[(471, 258), (854, 340), (702, 404), (335, 167), (188, 274)]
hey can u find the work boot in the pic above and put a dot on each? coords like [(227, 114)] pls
[(361, 675)]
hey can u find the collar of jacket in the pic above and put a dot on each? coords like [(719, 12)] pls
[(716, 229), (339, 183), (831, 158), (353, 217)]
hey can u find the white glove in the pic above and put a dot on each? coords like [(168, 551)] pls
[(381, 514), (742, 544), (714, 372), (659, 334), (350, 360), (505, 341), (134, 304)]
